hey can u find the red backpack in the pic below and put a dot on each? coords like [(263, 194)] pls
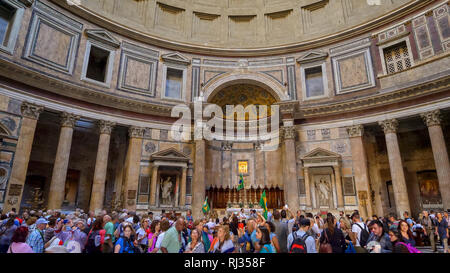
[(299, 244)]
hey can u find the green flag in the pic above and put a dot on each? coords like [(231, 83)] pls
[(205, 207), (263, 203), (241, 183)]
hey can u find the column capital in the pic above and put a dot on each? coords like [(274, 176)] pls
[(289, 132), (227, 146), (68, 119), (106, 126), (30, 110), (355, 130), (432, 118), (136, 132), (389, 126)]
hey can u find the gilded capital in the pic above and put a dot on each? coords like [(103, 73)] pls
[(31, 110), (389, 126), (289, 132), (432, 118), (355, 131), (68, 119), (106, 126), (136, 132)]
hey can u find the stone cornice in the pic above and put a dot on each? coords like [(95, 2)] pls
[(31, 110), (402, 94), (432, 118), (77, 91), (245, 52)]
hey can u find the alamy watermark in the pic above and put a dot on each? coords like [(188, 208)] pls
[(239, 124)]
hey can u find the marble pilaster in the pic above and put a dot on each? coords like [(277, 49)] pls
[(132, 167), (290, 168)]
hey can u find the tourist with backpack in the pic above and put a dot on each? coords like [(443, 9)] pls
[(300, 241), (333, 236), (361, 233), (378, 235), (125, 243), (96, 237)]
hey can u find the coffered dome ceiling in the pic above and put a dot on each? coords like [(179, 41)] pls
[(239, 24)]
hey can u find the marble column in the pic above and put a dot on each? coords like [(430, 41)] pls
[(433, 121), (340, 194), (101, 166), (290, 168), (58, 182), (396, 166), (183, 187), (307, 187), (132, 167), (153, 185), (30, 116), (360, 166), (199, 183)]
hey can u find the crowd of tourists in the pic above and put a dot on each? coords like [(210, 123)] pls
[(282, 232)]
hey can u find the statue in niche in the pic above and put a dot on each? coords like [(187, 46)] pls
[(166, 191), (323, 190)]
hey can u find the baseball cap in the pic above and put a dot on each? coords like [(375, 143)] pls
[(41, 221)]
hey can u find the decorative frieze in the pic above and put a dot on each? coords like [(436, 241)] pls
[(389, 126), (136, 132), (106, 126), (31, 110), (432, 118), (355, 131), (68, 119)]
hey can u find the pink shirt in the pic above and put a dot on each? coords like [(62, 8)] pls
[(19, 248)]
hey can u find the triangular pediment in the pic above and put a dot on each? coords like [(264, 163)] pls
[(320, 153), (175, 57), (103, 36), (170, 154), (312, 56)]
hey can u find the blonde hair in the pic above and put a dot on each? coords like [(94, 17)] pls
[(226, 229)]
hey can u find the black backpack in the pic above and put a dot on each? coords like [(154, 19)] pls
[(299, 244), (364, 236)]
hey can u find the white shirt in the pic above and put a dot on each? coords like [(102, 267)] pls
[(159, 241), (357, 230)]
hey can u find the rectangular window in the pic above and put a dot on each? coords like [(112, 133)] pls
[(174, 83), (397, 58), (314, 81), (98, 64), (6, 21)]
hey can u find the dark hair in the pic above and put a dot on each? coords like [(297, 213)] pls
[(276, 215), (355, 215), (410, 235), (135, 219), (150, 213), (374, 216), (153, 226), (52, 221), (10, 221), (309, 215), (380, 224), (265, 236), (271, 226), (98, 224), (20, 235), (330, 223), (165, 225), (283, 213)]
